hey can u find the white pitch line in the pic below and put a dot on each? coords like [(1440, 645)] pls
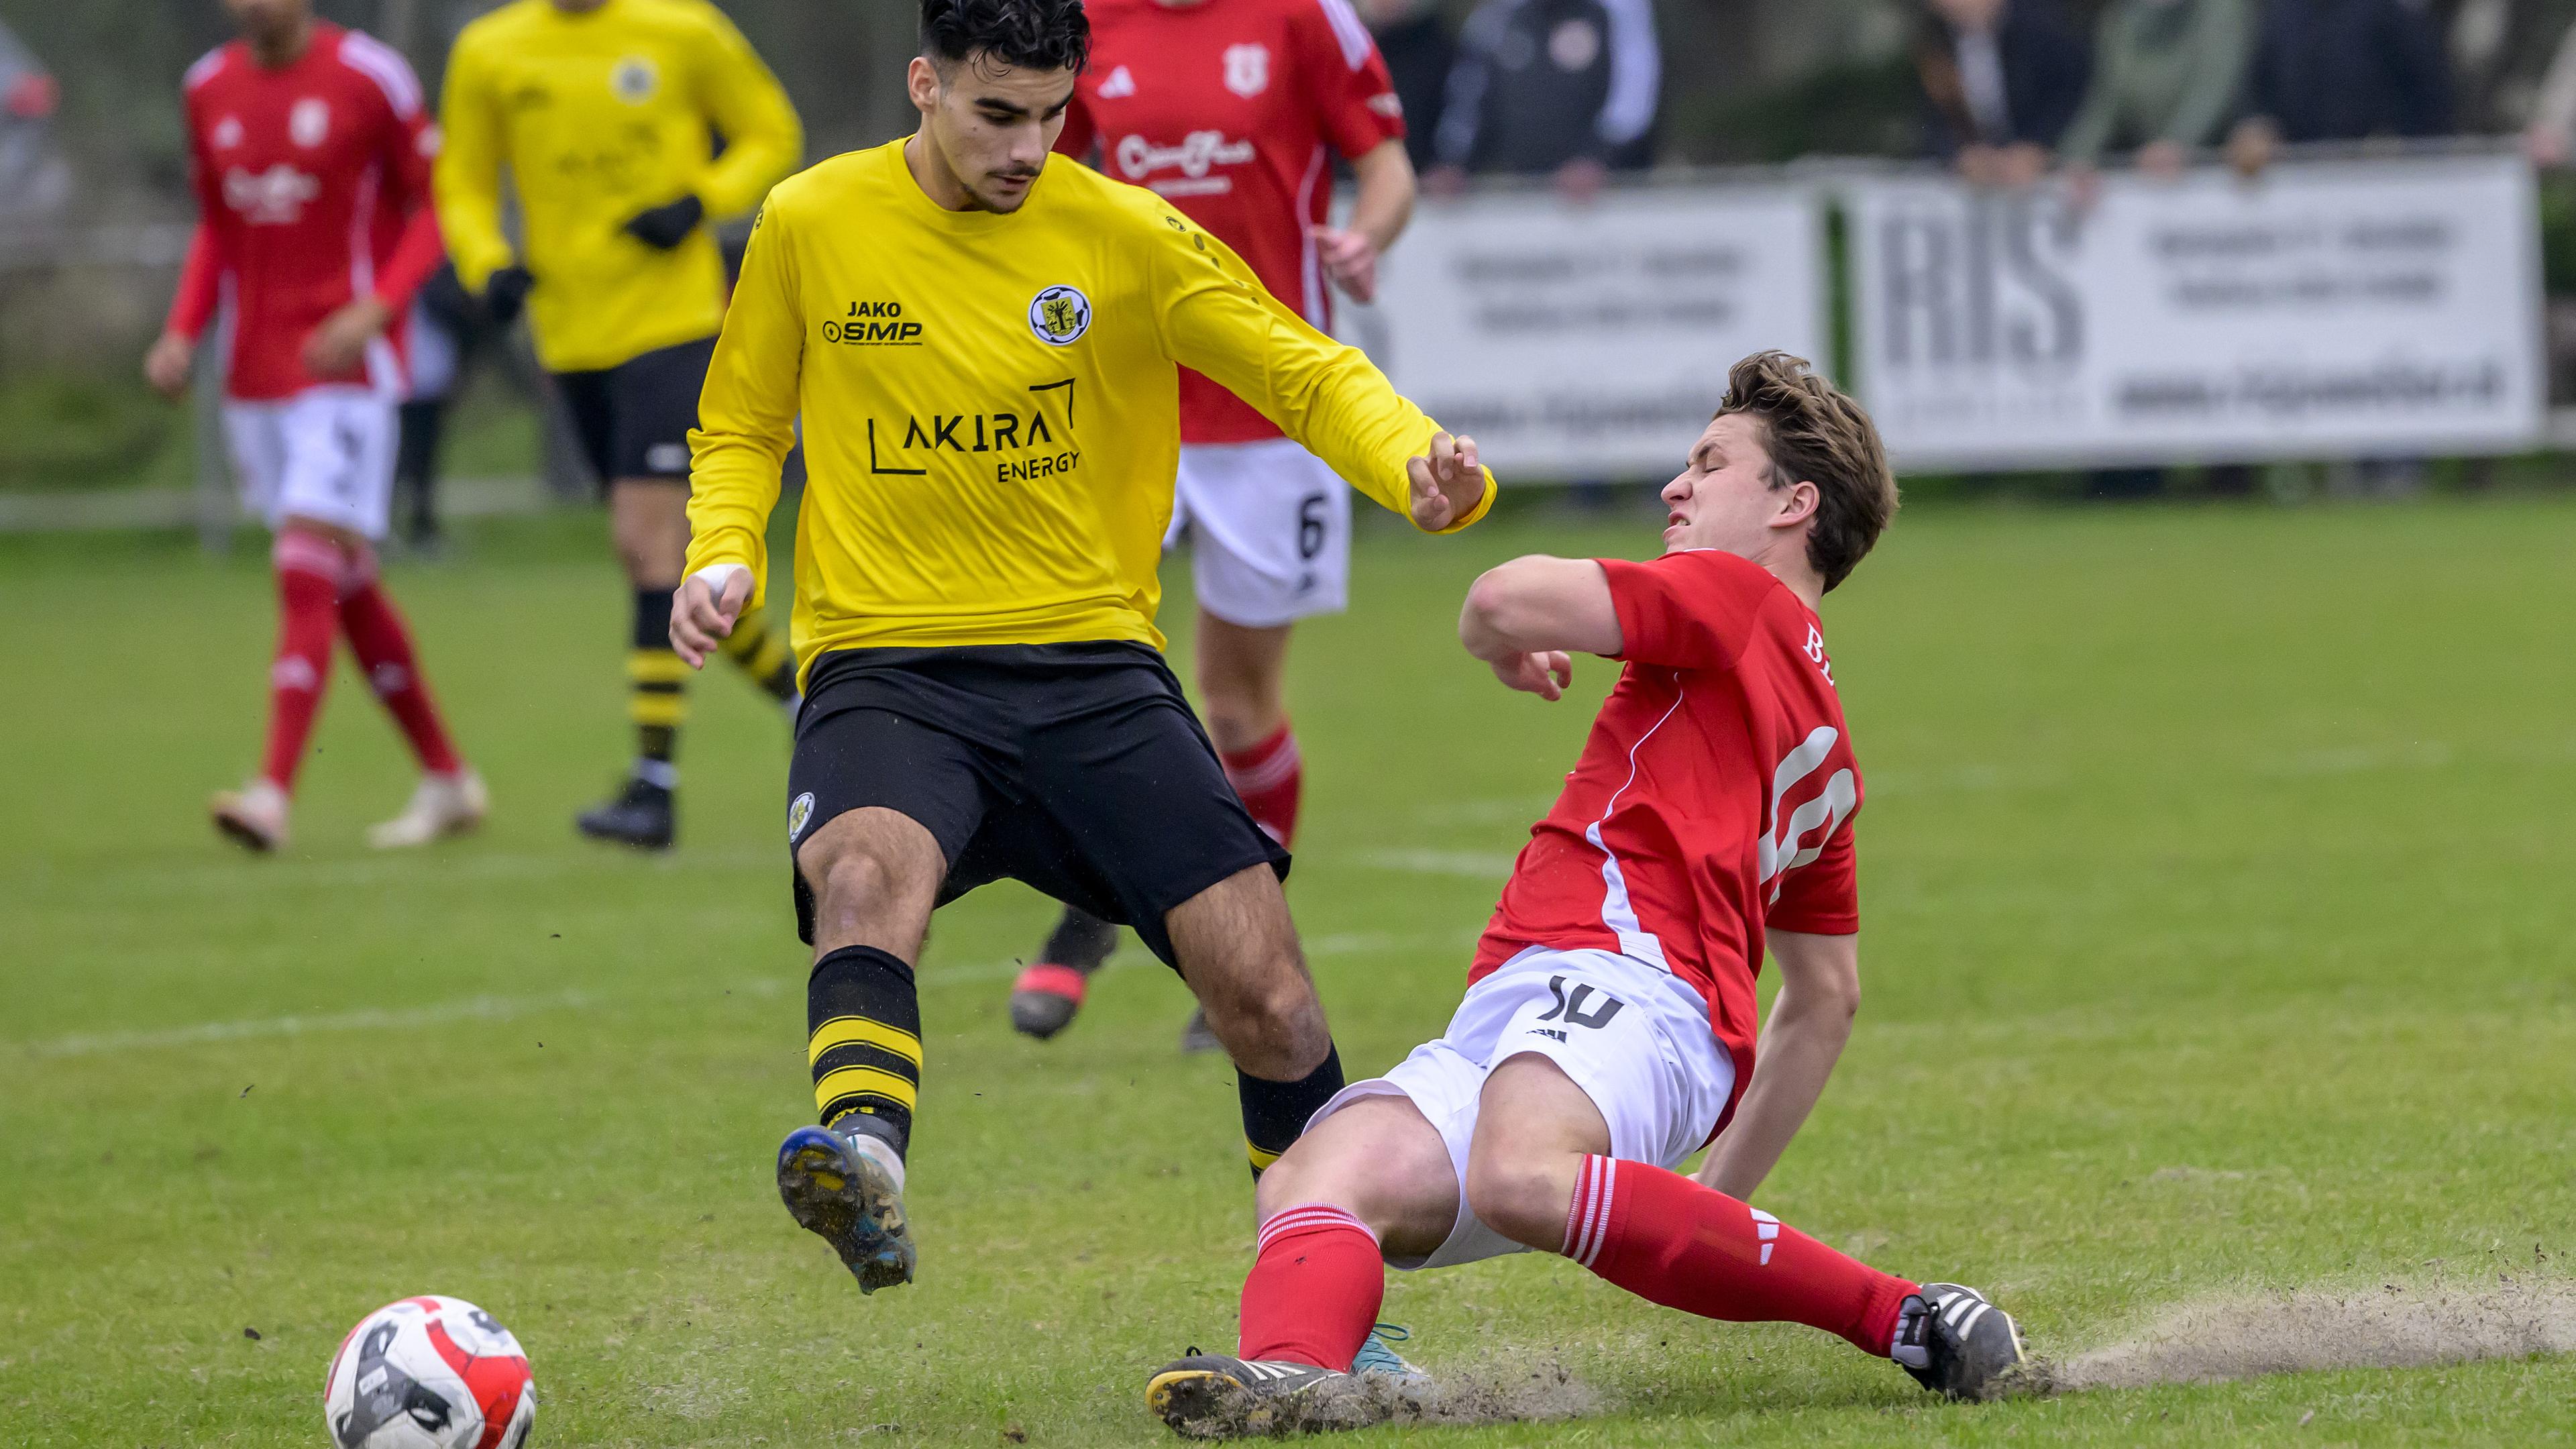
[(1474, 864), (502, 1008)]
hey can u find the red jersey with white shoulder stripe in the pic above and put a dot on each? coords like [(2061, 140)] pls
[(1713, 799), (1233, 110), (312, 185)]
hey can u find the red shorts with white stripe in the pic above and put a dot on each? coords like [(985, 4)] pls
[(1634, 1037)]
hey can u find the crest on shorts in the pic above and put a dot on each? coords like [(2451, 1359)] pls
[(1247, 69), (308, 123), (799, 811), (634, 79), (1059, 315)]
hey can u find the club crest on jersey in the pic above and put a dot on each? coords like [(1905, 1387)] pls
[(1059, 315), (1247, 69), (800, 812), (634, 80), (309, 124)]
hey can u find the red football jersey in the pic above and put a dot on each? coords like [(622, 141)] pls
[(1713, 798), (1232, 109), (312, 189)]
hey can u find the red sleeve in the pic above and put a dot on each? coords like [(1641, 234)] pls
[(1345, 78), (419, 251), (1079, 132), (1822, 897), (201, 276), (1692, 610)]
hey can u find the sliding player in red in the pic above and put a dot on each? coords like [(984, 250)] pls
[(310, 151), (1234, 111), (1608, 1028)]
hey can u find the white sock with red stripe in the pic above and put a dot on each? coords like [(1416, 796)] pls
[(1315, 1287), (1685, 1245)]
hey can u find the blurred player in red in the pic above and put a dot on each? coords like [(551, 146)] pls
[(1235, 110), (1609, 1022), (310, 150)]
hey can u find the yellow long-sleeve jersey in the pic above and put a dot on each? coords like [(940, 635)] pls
[(601, 114), (991, 424)]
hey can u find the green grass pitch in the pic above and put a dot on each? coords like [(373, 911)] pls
[(2217, 868)]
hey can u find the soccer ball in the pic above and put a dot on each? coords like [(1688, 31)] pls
[(429, 1373)]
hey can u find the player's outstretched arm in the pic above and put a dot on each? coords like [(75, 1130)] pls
[(1810, 1022), (1525, 617)]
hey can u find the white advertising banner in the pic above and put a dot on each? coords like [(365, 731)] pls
[(1592, 341), (2349, 308)]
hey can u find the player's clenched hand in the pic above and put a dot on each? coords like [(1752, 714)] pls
[(1447, 485), (337, 347), (702, 614), (167, 365), (1350, 259), (1545, 674)]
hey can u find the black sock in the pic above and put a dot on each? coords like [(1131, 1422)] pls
[(658, 699), (1080, 940), (1275, 1113), (863, 1040)]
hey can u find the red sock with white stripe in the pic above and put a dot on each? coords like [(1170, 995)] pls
[(1268, 777), (382, 642), (309, 568), (1685, 1245), (1314, 1290)]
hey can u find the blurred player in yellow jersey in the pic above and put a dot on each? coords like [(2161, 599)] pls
[(984, 346), (608, 114)]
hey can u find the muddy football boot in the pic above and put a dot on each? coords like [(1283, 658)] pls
[(1214, 1396), (1957, 1344), (843, 1196)]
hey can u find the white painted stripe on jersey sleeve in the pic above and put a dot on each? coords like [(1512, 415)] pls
[(1617, 911), (204, 70), (385, 66), (1348, 29)]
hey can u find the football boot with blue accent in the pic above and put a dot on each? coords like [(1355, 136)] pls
[(843, 1196)]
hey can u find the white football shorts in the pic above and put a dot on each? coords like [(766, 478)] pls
[(1269, 527), (326, 453), (1631, 1035)]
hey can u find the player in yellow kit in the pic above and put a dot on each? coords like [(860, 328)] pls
[(982, 345), (607, 114)]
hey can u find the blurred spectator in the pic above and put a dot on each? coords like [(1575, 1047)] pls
[(2166, 76), (1567, 88), (2341, 70), (2552, 137), (1419, 51), (2001, 81), (34, 182)]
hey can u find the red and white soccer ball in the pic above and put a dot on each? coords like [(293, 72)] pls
[(429, 1373)]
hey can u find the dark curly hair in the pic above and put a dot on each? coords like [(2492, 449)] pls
[(1023, 34), (1816, 434)]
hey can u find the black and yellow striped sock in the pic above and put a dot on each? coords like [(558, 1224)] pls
[(1275, 1113), (657, 684), (863, 1040), (763, 654)]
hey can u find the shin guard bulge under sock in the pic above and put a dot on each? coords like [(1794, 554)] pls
[(1685, 1245), (863, 1040), (1276, 1113), (1316, 1284), (381, 639), (309, 569)]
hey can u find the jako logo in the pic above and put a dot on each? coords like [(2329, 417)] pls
[(873, 323)]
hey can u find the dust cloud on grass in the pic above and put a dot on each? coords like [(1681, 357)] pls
[(1495, 1391), (2211, 1340)]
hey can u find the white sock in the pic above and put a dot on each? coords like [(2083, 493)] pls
[(877, 1150)]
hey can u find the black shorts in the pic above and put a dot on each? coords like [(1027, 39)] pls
[(1077, 768), (634, 418)]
